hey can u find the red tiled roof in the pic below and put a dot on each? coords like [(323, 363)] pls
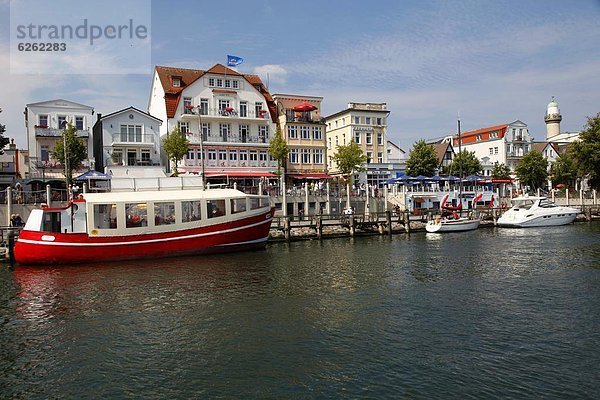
[(189, 76), (471, 136)]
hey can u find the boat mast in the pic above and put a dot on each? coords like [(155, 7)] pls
[(460, 174)]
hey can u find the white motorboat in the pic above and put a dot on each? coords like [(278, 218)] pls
[(439, 224), (534, 211)]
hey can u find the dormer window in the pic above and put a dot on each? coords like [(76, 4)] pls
[(176, 81)]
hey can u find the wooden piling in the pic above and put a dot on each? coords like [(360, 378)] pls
[(407, 221), (388, 218), (352, 226), (287, 229), (319, 226)]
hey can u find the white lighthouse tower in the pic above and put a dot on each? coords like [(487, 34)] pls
[(552, 119)]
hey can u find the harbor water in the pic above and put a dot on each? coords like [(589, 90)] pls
[(491, 313)]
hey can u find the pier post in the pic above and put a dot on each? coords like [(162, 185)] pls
[(287, 229), (11, 248), (328, 206), (319, 224), (48, 195), (8, 205), (352, 226), (283, 198), (407, 221), (388, 218)]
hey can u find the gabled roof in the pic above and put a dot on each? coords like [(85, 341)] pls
[(485, 133), (130, 108), (188, 76), (56, 103), (440, 150), (390, 143), (541, 146)]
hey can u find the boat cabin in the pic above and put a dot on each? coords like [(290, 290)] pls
[(133, 213)]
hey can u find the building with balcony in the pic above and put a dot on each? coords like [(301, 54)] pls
[(503, 144), (303, 129), (45, 122), (364, 123), (14, 164), (230, 116), (129, 137)]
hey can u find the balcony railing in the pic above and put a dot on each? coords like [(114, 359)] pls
[(227, 113), (229, 138), (133, 138), (303, 119), (40, 131)]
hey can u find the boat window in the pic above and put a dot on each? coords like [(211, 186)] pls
[(51, 221), (105, 216), (136, 215), (215, 208), (254, 203), (190, 211), (238, 205), (164, 213), (546, 204), (265, 201)]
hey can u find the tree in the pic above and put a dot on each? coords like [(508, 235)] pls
[(500, 171), (279, 149), (76, 151), (532, 170), (349, 159), (563, 170), (586, 152), (3, 140), (465, 163), (176, 146), (422, 160)]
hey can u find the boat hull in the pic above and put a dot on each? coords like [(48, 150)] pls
[(458, 225), (508, 221), (43, 248)]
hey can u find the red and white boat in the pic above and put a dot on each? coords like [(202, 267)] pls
[(150, 224)]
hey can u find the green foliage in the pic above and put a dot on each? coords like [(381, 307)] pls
[(422, 160), (564, 169), (176, 146), (465, 163), (532, 170), (76, 151), (3, 140), (586, 152), (500, 171), (349, 159), (279, 149)]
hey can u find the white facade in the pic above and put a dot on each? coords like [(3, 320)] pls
[(128, 137), (45, 122), (227, 112)]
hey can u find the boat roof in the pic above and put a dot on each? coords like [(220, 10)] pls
[(164, 195), (526, 197)]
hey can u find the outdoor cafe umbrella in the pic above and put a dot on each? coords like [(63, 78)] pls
[(92, 175), (304, 106)]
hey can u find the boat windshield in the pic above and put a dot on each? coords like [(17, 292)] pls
[(545, 203), (524, 204)]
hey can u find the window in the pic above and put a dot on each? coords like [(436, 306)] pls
[(368, 120), (357, 120), (62, 122), (45, 152), (369, 138), (43, 121), (304, 132), (263, 133), (380, 157), (212, 155), (293, 156), (184, 127), (190, 154), (223, 105), (317, 133), (211, 82), (258, 109), (244, 132), (136, 215), (227, 83), (317, 156), (79, 123), (379, 121), (357, 137), (379, 138), (222, 155), (232, 155), (219, 82), (145, 156), (253, 155), (117, 156), (199, 155), (164, 213), (243, 108), (262, 156), (224, 131), (491, 150), (203, 106), (131, 133), (237, 205), (305, 153), (176, 81), (205, 130), (190, 211), (235, 84), (292, 132), (243, 155), (105, 216), (215, 208), (369, 157), (495, 150), (187, 105)]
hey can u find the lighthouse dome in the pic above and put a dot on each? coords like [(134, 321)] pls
[(552, 109)]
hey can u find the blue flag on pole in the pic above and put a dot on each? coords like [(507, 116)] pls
[(232, 61)]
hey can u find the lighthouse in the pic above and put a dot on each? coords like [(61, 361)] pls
[(552, 119)]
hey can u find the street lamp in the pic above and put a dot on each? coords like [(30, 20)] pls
[(199, 113)]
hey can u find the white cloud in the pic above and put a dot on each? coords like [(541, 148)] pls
[(272, 74)]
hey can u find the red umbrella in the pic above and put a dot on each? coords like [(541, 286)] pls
[(304, 106)]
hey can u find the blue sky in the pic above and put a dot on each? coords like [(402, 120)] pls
[(491, 61)]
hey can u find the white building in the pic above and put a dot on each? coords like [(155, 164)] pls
[(552, 120), (231, 115), (45, 122), (126, 137), (503, 144)]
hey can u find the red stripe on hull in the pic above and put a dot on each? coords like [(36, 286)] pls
[(248, 233)]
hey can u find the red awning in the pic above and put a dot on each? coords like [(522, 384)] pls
[(499, 180), (245, 174), (316, 175), (304, 106)]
